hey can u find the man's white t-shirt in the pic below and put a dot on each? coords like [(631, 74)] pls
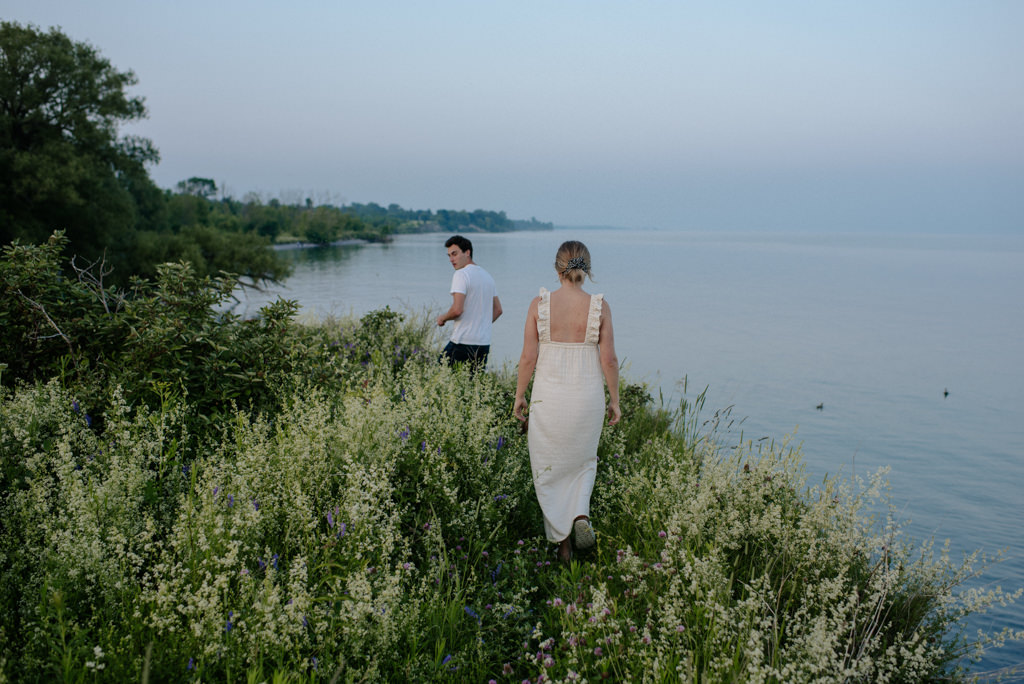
[(474, 325)]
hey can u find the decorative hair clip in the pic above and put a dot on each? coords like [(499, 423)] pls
[(576, 262)]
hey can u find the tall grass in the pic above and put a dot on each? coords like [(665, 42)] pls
[(380, 523)]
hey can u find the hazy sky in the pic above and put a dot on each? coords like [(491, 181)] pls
[(745, 115)]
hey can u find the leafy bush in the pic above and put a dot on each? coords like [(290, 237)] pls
[(173, 336)]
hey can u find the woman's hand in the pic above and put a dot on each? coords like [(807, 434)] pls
[(519, 408), (614, 413)]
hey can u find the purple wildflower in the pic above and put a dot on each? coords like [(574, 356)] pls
[(191, 664), (256, 504), (330, 520), (501, 442), (598, 651), (228, 624)]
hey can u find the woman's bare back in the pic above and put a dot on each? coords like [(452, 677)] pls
[(570, 307)]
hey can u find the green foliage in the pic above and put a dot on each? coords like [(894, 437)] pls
[(62, 164), (423, 220), (187, 496), (209, 252), (169, 336), (198, 187)]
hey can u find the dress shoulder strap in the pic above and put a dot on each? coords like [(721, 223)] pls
[(544, 316), (594, 319)]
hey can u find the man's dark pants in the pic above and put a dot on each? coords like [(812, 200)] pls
[(475, 354)]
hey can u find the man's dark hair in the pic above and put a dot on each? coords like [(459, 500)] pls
[(461, 242)]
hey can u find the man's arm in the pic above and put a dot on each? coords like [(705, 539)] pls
[(495, 309), (458, 303)]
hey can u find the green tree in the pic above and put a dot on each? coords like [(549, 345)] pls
[(63, 164), (200, 187)]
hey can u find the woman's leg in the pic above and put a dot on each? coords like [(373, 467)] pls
[(565, 550)]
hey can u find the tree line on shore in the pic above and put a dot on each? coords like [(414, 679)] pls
[(64, 166)]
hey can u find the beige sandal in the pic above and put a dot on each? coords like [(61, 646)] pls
[(585, 537)]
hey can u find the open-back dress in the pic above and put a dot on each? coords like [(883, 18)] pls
[(566, 415)]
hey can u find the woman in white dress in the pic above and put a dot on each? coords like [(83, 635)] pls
[(569, 342)]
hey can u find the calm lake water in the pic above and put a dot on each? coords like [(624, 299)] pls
[(875, 329)]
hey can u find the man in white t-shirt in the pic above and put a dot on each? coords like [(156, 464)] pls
[(475, 306)]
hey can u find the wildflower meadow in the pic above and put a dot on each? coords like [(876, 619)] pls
[(186, 496)]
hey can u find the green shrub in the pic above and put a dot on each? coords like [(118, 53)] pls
[(188, 496)]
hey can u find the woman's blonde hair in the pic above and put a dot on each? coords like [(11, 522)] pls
[(573, 261)]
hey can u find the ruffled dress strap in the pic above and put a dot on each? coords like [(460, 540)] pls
[(594, 319), (544, 316)]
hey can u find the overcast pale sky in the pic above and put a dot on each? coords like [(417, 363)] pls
[(799, 116)]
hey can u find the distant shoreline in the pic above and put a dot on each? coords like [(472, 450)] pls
[(305, 245)]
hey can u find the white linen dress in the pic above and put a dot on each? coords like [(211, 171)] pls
[(566, 415)]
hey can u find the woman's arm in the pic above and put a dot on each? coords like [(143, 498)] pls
[(527, 360), (609, 363)]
